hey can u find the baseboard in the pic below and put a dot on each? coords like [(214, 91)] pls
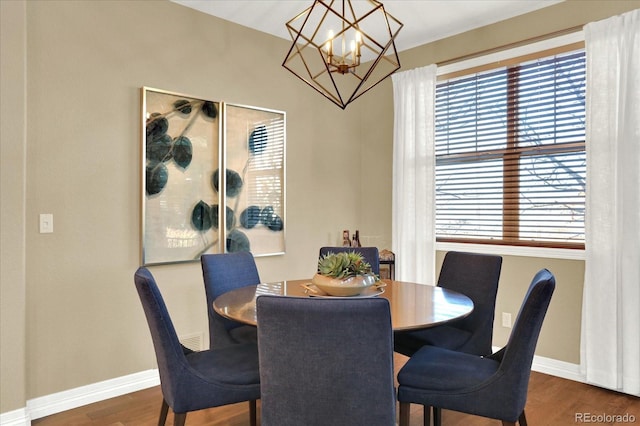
[(84, 395), (553, 367), (15, 418)]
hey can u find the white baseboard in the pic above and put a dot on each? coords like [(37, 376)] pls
[(84, 395), (553, 367), (73, 398), (15, 418)]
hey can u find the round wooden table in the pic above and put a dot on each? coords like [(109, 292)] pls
[(413, 306)]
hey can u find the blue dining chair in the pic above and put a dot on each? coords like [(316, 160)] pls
[(221, 273), (370, 254), (325, 361), (191, 380), (476, 276), (494, 386)]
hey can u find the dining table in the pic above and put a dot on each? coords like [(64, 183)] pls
[(413, 305)]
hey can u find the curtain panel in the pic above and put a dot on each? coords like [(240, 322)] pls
[(610, 344), (413, 211)]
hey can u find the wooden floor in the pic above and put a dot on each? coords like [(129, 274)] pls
[(552, 402)]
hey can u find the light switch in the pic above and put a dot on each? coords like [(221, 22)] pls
[(506, 319), (46, 223)]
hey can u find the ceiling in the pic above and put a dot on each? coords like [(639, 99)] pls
[(424, 20)]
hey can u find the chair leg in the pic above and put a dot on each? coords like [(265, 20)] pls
[(506, 423), (253, 417), (404, 413), (437, 416), (164, 410), (179, 419), (522, 420), (427, 415)]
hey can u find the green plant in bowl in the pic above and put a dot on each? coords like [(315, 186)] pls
[(343, 274)]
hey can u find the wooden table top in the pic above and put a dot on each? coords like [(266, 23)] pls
[(413, 306)]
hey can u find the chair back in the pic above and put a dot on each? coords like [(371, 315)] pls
[(476, 276), (493, 386), (191, 380), (169, 351), (325, 361), (517, 356), (224, 272), (371, 255)]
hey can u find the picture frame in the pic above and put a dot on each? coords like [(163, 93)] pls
[(186, 141), (254, 141)]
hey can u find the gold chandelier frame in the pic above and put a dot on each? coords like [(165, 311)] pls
[(346, 75)]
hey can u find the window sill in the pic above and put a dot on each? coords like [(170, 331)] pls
[(544, 252)]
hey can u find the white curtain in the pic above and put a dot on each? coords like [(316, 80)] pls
[(610, 348), (413, 211)]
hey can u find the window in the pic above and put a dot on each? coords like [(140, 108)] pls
[(510, 154)]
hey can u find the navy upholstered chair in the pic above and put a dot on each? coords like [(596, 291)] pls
[(191, 380), (474, 275), (371, 255), (222, 273), (325, 361), (494, 386)]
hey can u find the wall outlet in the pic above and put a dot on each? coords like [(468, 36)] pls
[(506, 319)]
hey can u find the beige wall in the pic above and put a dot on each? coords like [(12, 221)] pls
[(12, 218), (560, 335), (86, 62)]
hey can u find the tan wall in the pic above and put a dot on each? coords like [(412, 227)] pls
[(560, 336), (86, 62), (13, 39)]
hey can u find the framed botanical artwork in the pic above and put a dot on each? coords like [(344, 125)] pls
[(254, 141), (185, 199)]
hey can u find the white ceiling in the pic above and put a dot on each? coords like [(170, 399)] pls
[(424, 20)]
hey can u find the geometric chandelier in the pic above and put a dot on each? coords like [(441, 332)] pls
[(343, 48)]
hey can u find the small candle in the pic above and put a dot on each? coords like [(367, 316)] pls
[(353, 51)]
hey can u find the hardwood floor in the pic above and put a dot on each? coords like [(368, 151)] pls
[(552, 401)]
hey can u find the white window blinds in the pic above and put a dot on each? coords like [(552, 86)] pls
[(510, 154)]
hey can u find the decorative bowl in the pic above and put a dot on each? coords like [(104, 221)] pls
[(351, 286)]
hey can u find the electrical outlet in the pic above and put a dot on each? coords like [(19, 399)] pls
[(506, 319)]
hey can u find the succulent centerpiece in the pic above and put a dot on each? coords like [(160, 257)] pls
[(343, 274)]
